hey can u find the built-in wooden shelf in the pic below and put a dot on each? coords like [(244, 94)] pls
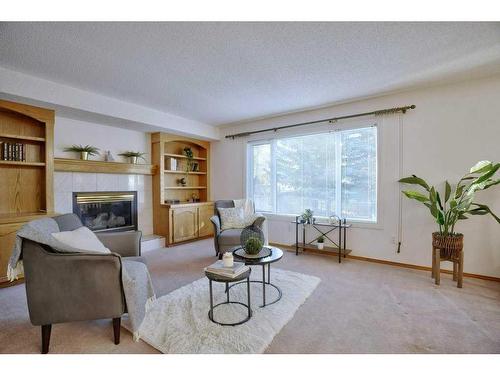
[(22, 163), (97, 166), (22, 137), (185, 220), (182, 172), (26, 186), (183, 156), (185, 187)]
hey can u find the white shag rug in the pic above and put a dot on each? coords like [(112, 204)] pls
[(178, 322)]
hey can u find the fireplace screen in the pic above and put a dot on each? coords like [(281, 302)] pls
[(107, 211)]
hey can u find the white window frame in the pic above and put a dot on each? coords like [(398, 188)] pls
[(357, 223)]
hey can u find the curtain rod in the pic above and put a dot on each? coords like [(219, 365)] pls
[(330, 120)]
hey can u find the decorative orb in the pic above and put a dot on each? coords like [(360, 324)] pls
[(252, 239)]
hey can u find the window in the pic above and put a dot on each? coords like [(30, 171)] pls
[(330, 173)]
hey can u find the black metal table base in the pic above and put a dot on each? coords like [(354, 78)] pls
[(228, 302), (264, 284)]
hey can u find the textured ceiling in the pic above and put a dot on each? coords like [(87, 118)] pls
[(221, 73)]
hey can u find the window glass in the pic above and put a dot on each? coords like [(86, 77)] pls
[(330, 173)]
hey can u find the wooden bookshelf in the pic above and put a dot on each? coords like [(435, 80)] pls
[(27, 186), (186, 219)]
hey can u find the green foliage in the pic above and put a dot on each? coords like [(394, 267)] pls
[(457, 203), (129, 154), (307, 215), (253, 245), (321, 239), (188, 152), (190, 156), (79, 148)]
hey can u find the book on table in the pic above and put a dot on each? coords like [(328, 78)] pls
[(218, 268)]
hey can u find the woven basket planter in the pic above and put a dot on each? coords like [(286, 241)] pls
[(450, 246)]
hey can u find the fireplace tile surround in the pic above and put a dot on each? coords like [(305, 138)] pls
[(65, 183)]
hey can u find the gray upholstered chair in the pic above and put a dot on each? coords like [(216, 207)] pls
[(228, 238), (68, 287)]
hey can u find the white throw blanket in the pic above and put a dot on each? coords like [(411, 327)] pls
[(137, 285), (249, 214)]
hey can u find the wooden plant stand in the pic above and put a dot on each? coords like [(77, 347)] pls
[(449, 248)]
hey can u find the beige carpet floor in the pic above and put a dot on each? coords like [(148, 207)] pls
[(358, 307)]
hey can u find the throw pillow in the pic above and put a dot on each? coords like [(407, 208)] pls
[(232, 218), (82, 238)]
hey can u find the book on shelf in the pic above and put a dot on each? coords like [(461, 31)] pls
[(218, 268), (173, 164), (12, 151)]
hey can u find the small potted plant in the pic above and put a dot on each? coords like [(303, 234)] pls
[(84, 151), (307, 216), (320, 242), (133, 156)]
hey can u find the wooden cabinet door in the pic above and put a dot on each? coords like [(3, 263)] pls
[(205, 226), (184, 224), (7, 239)]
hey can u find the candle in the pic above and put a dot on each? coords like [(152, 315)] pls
[(227, 260)]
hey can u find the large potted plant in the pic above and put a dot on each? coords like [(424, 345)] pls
[(456, 204)]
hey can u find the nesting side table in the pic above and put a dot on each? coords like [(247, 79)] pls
[(212, 277)]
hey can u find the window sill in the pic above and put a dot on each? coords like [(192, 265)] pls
[(291, 218)]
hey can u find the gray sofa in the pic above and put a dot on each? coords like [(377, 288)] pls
[(68, 287), (228, 238)]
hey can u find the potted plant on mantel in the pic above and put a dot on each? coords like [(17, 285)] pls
[(133, 156), (85, 151), (456, 203)]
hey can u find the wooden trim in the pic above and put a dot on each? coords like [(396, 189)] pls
[(5, 283), (40, 114), (396, 264), (193, 204), (183, 172), (184, 156), (22, 163), (184, 187), (97, 166), (22, 137), (23, 217)]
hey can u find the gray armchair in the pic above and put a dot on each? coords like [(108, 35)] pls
[(68, 287), (228, 238)]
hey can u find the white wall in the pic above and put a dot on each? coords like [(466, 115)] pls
[(452, 127), (68, 132)]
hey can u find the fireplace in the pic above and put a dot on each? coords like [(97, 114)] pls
[(107, 211)]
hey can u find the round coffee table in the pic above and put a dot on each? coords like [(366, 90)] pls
[(223, 279), (276, 255)]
